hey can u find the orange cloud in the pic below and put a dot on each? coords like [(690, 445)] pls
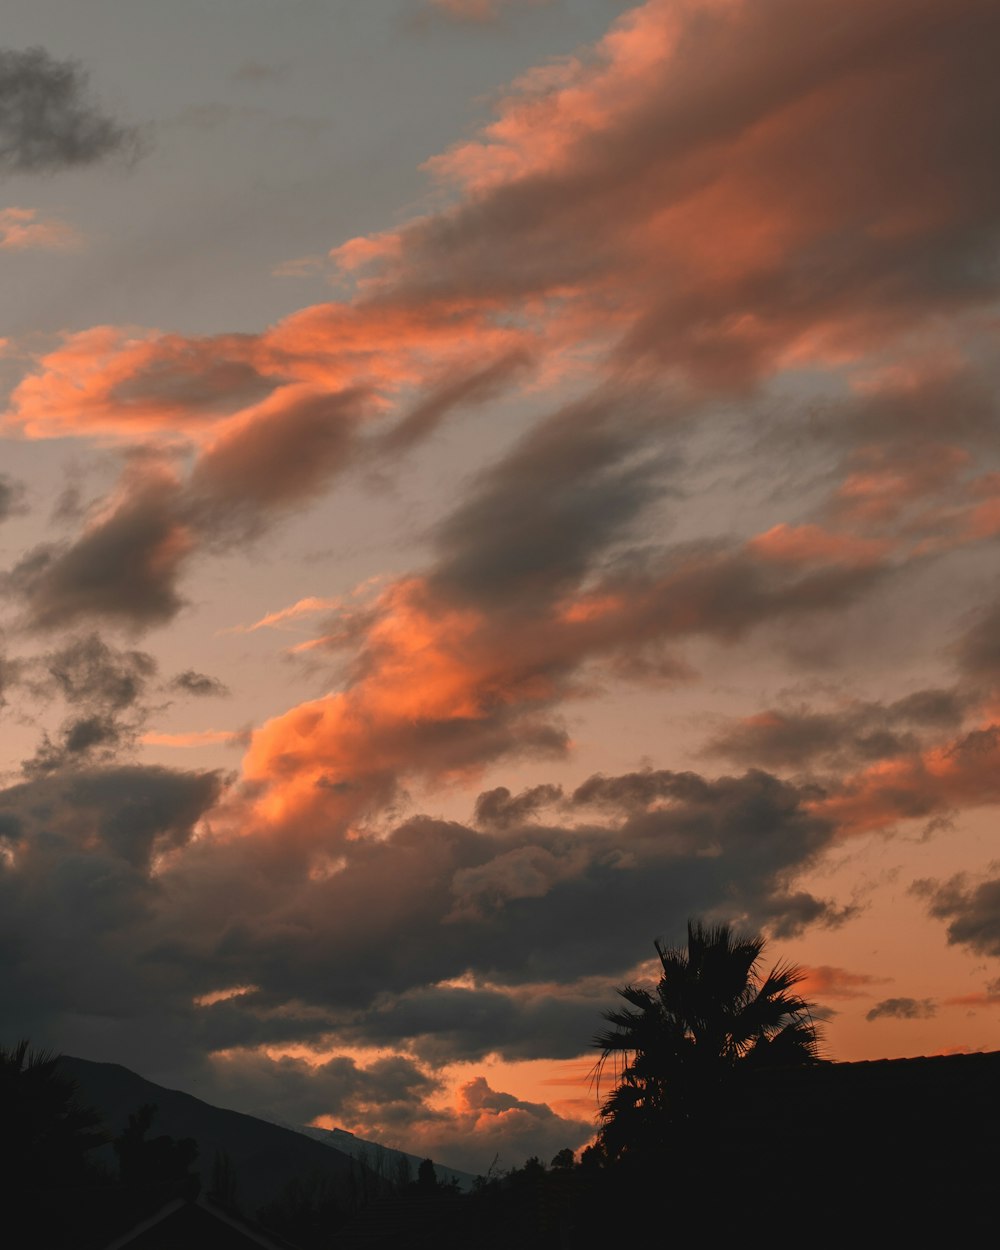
[(302, 607), (834, 982), (478, 10), (110, 381), (958, 774), (441, 684), (721, 242), (433, 695), (812, 544), (22, 228), (984, 998), (114, 382)]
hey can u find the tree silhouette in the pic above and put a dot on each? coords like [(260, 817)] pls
[(45, 1134), (160, 1163), (680, 1053)]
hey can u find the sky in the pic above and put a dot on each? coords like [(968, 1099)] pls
[(484, 481)]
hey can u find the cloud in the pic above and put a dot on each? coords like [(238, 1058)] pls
[(989, 997), (122, 569), (511, 905), (12, 494), (972, 909), (903, 1009), (533, 523), (47, 121), (119, 382), (487, 1123), (718, 255), (683, 148), (125, 565), (397, 1101), (110, 381), (88, 671), (283, 454), (831, 982), (302, 607), (979, 648), (715, 251), (269, 420), (849, 735), (132, 812), (129, 866), (445, 1024), (478, 11), (201, 685), (22, 229), (104, 689), (959, 773), (762, 190), (498, 809), (387, 1089), (468, 664), (463, 387)]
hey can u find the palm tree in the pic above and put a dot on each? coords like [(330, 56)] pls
[(679, 1053), (45, 1134)]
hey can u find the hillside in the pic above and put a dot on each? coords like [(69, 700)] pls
[(266, 1156)]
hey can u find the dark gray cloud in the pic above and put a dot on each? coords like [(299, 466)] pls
[(903, 1009), (724, 591), (445, 1024), (390, 1089), (122, 569), (463, 390), (78, 902), (11, 497), (12, 672), (856, 734), (513, 907), (979, 648), (534, 523), (972, 909), (955, 405), (131, 811), (499, 809), (201, 685), (80, 740), (48, 120), (103, 686), (88, 671), (366, 945), (278, 460)]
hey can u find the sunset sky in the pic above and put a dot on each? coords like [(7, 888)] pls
[(484, 481)]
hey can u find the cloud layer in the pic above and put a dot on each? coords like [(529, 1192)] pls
[(718, 295)]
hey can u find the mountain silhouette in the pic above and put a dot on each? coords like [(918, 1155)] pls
[(265, 1156)]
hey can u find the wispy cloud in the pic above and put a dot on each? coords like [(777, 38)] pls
[(22, 229)]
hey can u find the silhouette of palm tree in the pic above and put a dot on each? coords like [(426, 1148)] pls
[(678, 1052), (46, 1134)]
